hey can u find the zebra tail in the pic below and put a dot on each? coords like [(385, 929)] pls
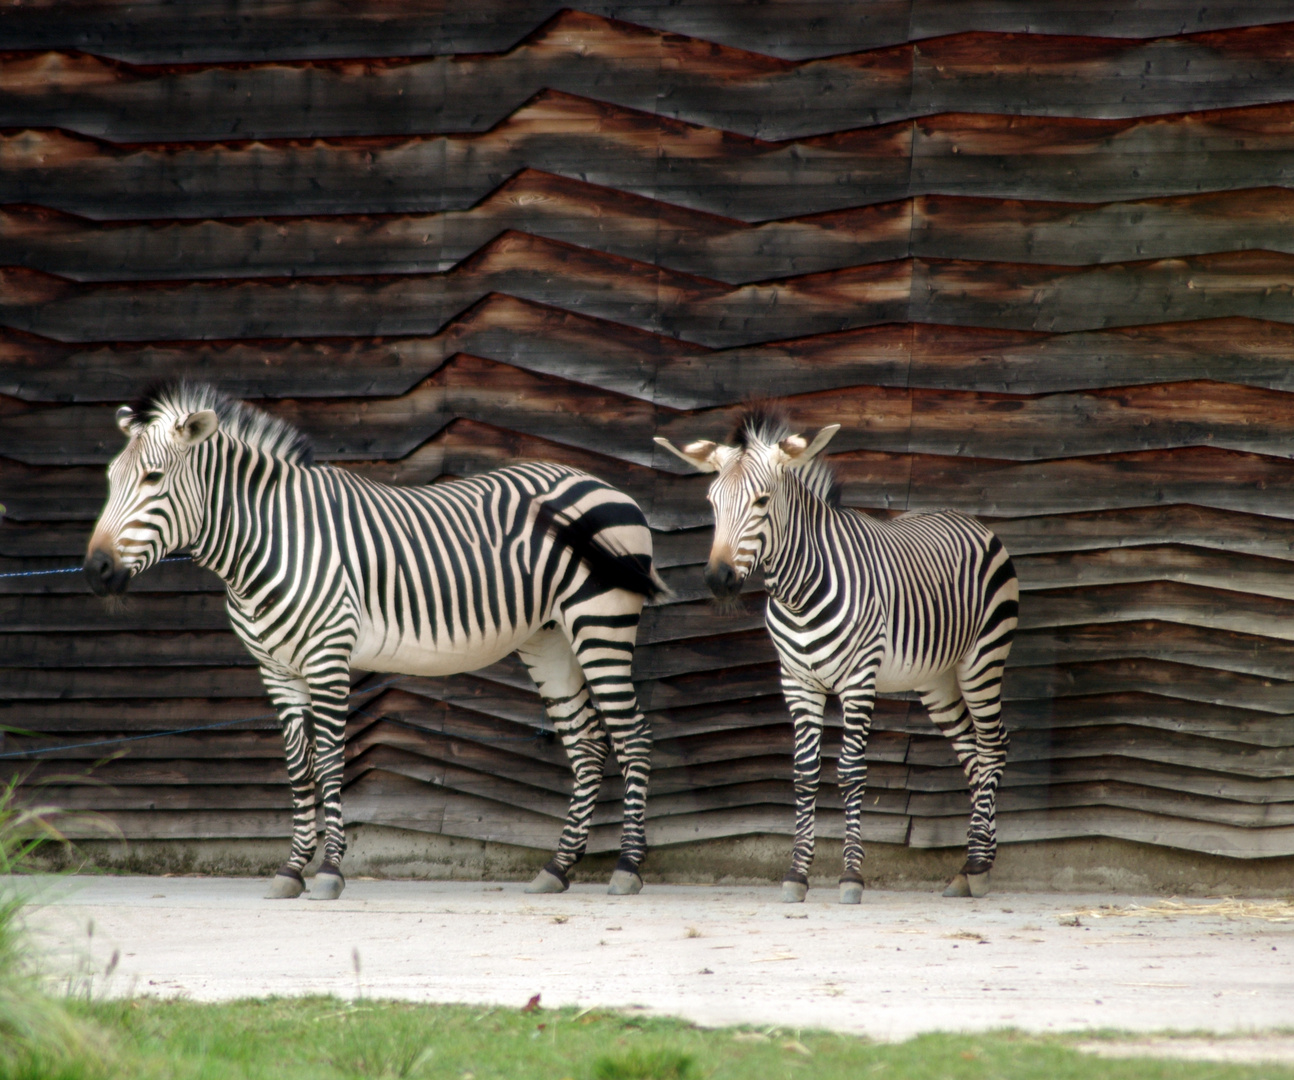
[(614, 569)]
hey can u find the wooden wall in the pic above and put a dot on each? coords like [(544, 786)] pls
[(1037, 258)]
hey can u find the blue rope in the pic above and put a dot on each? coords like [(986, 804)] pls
[(77, 569)]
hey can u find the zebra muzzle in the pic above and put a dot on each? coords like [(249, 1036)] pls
[(722, 579), (105, 573)]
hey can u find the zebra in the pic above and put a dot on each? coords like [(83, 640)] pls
[(857, 605), (327, 572)]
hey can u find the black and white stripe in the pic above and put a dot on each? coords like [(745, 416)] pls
[(857, 605), (327, 572)]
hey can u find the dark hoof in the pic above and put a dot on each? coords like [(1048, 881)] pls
[(959, 886), (286, 885), (794, 892), (624, 883), (328, 883), (851, 892), (548, 882)]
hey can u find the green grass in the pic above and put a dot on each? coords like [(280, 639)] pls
[(39, 1038), (326, 1038)]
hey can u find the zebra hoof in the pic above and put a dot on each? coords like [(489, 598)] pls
[(547, 882), (327, 885), (624, 883), (959, 886), (285, 887), (794, 892), (977, 884), (851, 892)]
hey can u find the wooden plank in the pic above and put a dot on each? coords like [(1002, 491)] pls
[(1172, 680), (1104, 18), (603, 144), (187, 825), (24, 683), (156, 649), (127, 716), (1031, 826), (1100, 77), (1233, 350), (541, 271), (557, 208), (1216, 650), (1159, 562), (1204, 608), (1080, 234), (232, 798), (1196, 526), (615, 357), (142, 613), (580, 54), (1221, 479), (589, 56), (1065, 299), (1153, 711), (213, 32), (1112, 793), (1128, 770), (1101, 160)]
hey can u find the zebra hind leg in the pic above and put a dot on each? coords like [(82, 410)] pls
[(851, 776), (982, 689), (569, 704), (948, 710), (603, 628)]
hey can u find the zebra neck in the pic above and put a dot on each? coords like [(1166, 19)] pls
[(240, 527), (794, 557)]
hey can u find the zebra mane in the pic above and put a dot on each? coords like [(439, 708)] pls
[(766, 423), (242, 421)]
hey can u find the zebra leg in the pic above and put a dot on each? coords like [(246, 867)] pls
[(857, 704), (569, 704), (603, 628), (806, 713), (329, 695), (291, 699), (982, 689), (947, 707)]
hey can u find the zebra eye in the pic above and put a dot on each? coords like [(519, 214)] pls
[(761, 502), (153, 478)]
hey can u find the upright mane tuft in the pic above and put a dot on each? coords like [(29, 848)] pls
[(764, 423), (238, 419)]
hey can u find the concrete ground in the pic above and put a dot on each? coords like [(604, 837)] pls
[(899, 964)]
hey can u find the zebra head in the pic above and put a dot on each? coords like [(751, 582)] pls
[(744, 493), (155, 502)]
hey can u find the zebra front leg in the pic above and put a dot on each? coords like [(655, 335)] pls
[(291, 698), (857, 703), (948, 711), (806, 708), (329, 696)]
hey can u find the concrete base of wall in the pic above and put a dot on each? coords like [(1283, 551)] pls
[(1094, 865)]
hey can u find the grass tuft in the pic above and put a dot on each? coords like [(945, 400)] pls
[(39, 1038), (660, 1063)]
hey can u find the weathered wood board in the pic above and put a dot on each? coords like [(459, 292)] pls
[(1036, 259)]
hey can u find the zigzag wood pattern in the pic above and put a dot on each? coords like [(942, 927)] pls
[(1074, 322), (620, 64)]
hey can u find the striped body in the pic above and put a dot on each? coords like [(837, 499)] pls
[(327, 572), (860, 605)]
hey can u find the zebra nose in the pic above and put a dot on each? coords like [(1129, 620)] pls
[(105, 574), (722, 579)]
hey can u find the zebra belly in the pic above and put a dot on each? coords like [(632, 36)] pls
[(377, 652), (894, 676)]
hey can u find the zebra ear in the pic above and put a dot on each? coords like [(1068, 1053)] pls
[(700, 455), (799, 453), (197, 427), (125, 417)]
